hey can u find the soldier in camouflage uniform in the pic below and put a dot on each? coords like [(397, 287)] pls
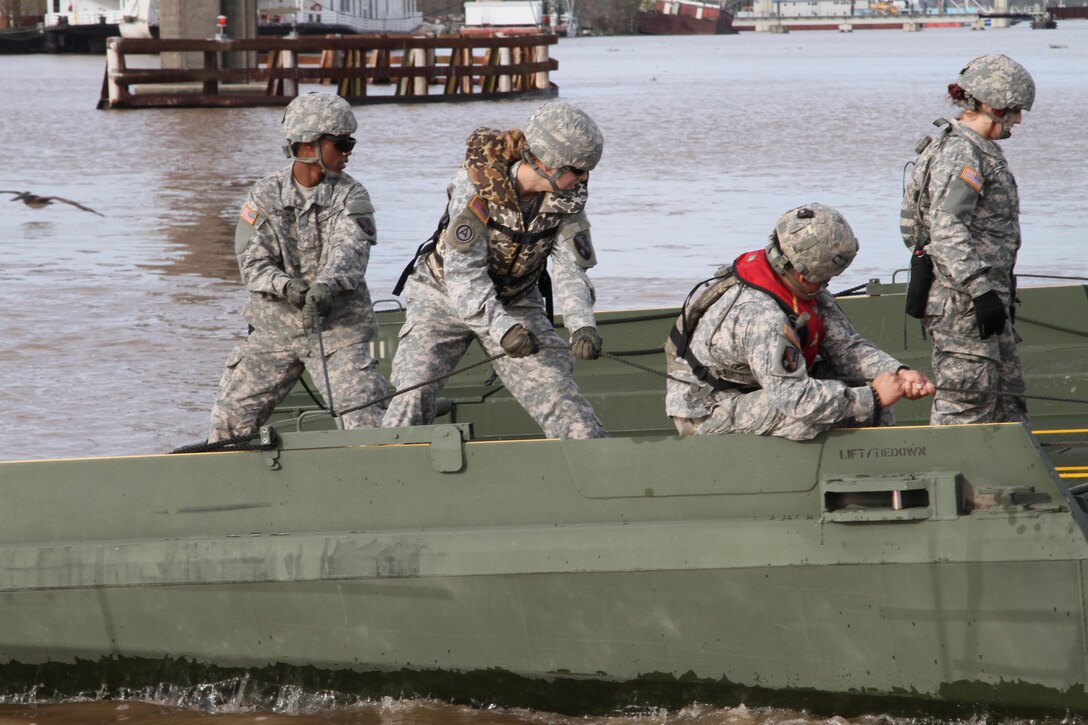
[(516, 203), (742, 358), (303, 242), (963, 209)]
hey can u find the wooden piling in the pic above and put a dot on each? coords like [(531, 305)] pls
[(418, 69)]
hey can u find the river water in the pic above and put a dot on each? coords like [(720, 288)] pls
[(116, 328)]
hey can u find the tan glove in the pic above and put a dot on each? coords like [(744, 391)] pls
[(518, 342), (296, 291), (585, 343)]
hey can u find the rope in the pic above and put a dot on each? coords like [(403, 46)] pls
[(998, 393), (635, 353), (852, 291), (1052, 276), (313, 396), (325, 368), (1051, 326), (430, 381), (639, 318), (620, 358)]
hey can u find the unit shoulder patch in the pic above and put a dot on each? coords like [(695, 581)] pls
[(581, 246), (788, 358), (366, 223), (465, 230)]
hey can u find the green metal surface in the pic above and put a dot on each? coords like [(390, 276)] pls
[(915, 564)]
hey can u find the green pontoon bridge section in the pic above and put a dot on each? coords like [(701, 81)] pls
[(880, 560), (1052, 320)]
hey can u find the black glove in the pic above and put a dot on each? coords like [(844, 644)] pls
[(990, 313), (585, 343), (320, 296), (518, 342), (296, 291)]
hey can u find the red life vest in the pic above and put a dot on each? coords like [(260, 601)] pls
[(753, 269)]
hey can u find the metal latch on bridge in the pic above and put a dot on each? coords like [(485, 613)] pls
[(446, 441)]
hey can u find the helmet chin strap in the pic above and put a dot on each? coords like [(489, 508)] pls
[(314, 160), (552, 180), (1006, 129)]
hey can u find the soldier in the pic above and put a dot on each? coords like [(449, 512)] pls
[(962, 208), (303, 242), (517, 201), (746, 344)]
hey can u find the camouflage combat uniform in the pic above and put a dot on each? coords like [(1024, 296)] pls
[(745, 338), (478, 283), (325, 238), (972, 212)]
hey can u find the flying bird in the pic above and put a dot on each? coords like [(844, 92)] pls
[(38, 202)]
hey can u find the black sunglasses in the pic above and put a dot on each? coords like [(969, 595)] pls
[(343, 144), (575, 170)]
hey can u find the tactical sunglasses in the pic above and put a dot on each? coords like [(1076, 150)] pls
[(575, 170), (343, 144)]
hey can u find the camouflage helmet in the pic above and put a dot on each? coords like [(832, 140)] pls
[(999, 82), (815, 239), (309, 117), (560, 134)]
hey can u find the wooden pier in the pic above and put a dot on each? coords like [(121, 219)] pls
[(364, 69)]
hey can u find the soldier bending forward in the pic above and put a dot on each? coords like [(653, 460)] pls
[(518, 201), (746, 344)]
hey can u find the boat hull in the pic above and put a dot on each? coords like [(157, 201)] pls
[(657, 23), (687, 567)]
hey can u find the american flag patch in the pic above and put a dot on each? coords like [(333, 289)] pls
[(972, 177), (480, 209), (249, 214)]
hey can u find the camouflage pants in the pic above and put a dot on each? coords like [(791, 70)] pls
[(992, 388), (752, 413), (434, 339), (978, 381), (255, 381)]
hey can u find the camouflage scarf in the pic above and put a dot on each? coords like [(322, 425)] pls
[(488, 158)]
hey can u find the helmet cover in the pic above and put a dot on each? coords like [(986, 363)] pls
[(816, 240), (307, 118), (561, 134), (999, 82)]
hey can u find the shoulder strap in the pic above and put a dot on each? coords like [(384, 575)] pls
[(929, 148), (523, 238), (692, 312), (423, 250)]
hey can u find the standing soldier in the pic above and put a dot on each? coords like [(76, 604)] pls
[(303, 242), (518, 201), (740, 355), (962, 209)]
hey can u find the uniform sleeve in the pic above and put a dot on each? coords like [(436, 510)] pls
[(853, 357), (572, 256), (261, 256), (467, 282), (350, 235), (762, 335), (955, 187)]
